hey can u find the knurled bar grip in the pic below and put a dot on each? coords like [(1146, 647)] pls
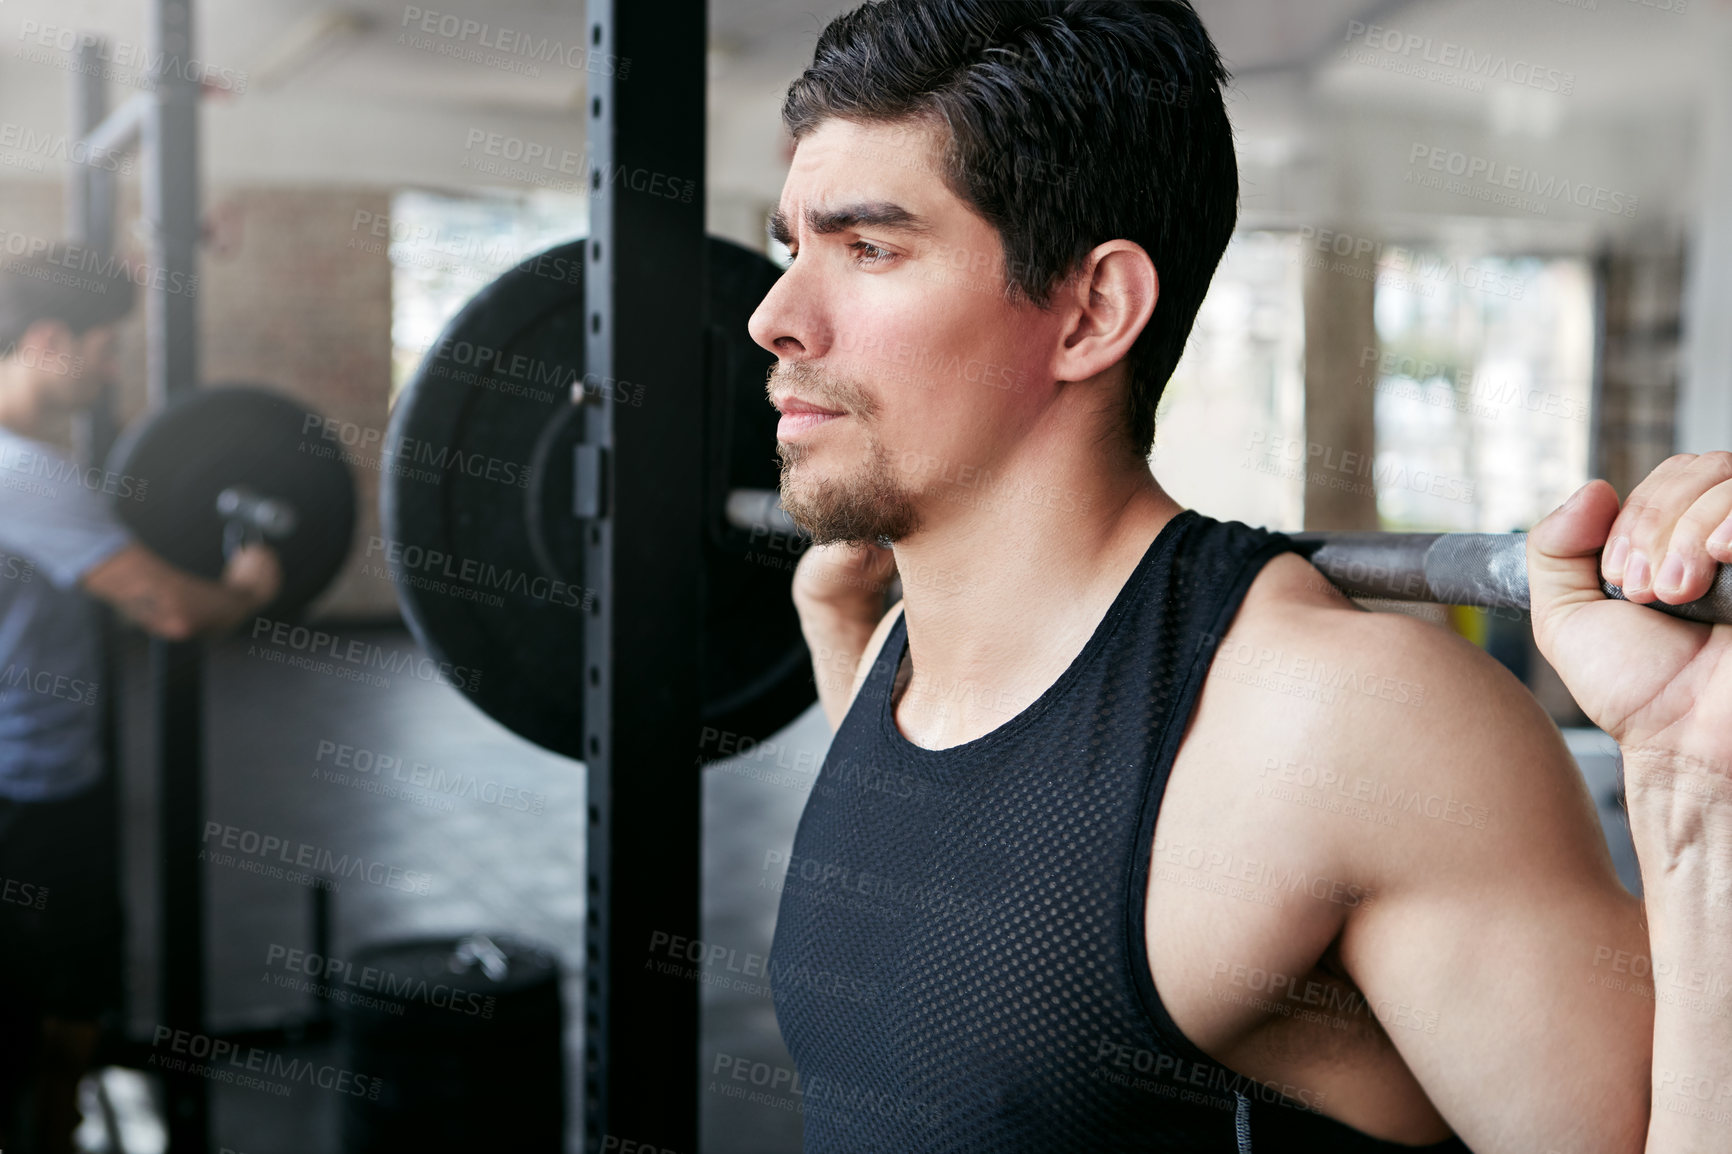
[(1488, 570)]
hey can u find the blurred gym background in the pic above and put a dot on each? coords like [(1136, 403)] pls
[(1483, 256)]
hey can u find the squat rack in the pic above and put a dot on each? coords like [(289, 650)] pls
[(644, 294), (163, 124), (646, 112)]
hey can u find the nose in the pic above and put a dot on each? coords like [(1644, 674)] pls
[(789, 321)]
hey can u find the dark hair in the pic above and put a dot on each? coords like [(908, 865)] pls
[(1071, 123), (80, 294)]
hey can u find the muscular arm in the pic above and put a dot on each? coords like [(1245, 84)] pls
[(1681, 822), (1476, 963), (168, 602), (1512, 947)]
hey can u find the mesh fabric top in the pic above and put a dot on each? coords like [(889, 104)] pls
[(959, 963)]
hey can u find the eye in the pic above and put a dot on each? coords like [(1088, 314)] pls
[(867, 253)]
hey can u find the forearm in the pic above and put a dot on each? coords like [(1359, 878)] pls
[(837, 642), (177, 606), (1681, 824), (218, 607), (179, 609), (840, 592)]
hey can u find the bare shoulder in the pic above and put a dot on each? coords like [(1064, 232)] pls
[(1364, 749), (1350, 780), (1386, 732), (1385, 692)]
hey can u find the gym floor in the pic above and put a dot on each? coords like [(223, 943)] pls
[(492, 866)]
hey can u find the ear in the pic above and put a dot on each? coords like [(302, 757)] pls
[(1109, 300)]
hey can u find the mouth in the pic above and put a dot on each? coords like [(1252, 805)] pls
[(801, 417)]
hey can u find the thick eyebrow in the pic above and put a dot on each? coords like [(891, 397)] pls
[(871, 214)]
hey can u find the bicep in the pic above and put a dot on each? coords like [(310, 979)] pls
[(1517, 1013), (1501, 959), (61, 529)]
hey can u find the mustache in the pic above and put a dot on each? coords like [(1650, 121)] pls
[(819, 386)]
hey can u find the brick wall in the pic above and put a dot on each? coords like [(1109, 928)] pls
[(284, 302), (289, 304)]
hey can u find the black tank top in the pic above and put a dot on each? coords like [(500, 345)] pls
[(959, 960)]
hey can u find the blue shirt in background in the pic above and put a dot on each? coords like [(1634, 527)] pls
[(56, 524)]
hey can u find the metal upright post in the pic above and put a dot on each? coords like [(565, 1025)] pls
[(90, 205), (171, 203), (171, 213), (89, 186), (641, 469)]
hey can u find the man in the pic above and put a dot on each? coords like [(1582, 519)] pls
[(61, 548), (1135, 834)]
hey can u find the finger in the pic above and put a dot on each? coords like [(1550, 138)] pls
[(1563, 556), (1690, 565), (863, 560), (1619, 542), (1664, 504), (844, 571)]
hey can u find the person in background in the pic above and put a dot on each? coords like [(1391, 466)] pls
[(62, 550)]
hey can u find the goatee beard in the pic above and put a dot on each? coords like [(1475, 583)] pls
[(867, 507)]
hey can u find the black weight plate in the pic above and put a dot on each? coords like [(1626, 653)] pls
[(478, 481), (758, 673), (237, 435)]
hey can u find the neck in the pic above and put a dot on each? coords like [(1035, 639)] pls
[(20, 409), (1012, 571)]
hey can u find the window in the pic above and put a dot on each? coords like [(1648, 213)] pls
[(445, 249), (1484, 384), (1240, 384)]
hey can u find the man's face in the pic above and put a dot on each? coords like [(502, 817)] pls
[(66, 371), (893, 320)]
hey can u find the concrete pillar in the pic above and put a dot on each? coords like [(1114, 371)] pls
[(1637, 409), (1705, 393), (1340, 416)]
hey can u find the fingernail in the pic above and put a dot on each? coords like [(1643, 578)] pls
[(1722, 537), (1617, 555), (1671, 578), (1636, 572)]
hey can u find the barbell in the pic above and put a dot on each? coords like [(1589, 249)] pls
[(486, 552), (1484, 570), (501, 383), (232, 464)]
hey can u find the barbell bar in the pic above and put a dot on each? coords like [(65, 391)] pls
[(1485, 570), (489, 572)]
